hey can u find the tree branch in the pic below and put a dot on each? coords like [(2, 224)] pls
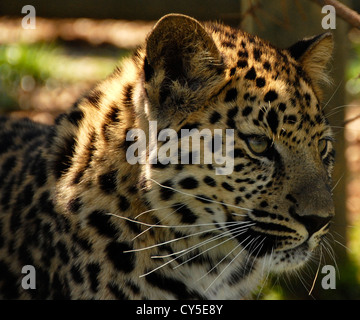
[(343, 11), (351, 120)]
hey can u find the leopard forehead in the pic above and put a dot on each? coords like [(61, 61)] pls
[(266, 86), (264, 91), (277, 93)]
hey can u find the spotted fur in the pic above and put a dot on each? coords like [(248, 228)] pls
[(96, 227)]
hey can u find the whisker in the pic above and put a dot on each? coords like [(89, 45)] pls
[(151, 210), (221, 235), (224, 256), (316, 275), (262, 272), (249, 255), (337, 182), (288, 282), (201, 198), (166, 263), (263, 267), (223, 270), (141, 233), (338, 242), (331, 253), (332, 96), (343, 127), (237, 214), (157, 268), (303, 282), (237, 246), (338, 109), (170, 226), (218, 244), (338, 234), (344, 246), (229, 223), (173, 240)]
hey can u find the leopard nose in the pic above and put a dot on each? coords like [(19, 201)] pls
[(313, 223)]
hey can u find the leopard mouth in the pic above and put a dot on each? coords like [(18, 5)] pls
[(259, 243), (291, 259), (267, 238), (270, 248)]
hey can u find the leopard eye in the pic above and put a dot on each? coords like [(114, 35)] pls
[(323, 146), (258, 145)]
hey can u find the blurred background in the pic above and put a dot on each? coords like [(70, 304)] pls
[(77, 43)]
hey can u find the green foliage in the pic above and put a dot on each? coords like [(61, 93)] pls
[(353, 70), (24, 67), (20, 59)]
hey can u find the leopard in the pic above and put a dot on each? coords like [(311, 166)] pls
[(91, 224)]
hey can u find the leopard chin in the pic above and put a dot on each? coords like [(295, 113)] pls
[(292, 259)]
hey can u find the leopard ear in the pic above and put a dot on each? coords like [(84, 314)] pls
[(182, 65), (313, 54)]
